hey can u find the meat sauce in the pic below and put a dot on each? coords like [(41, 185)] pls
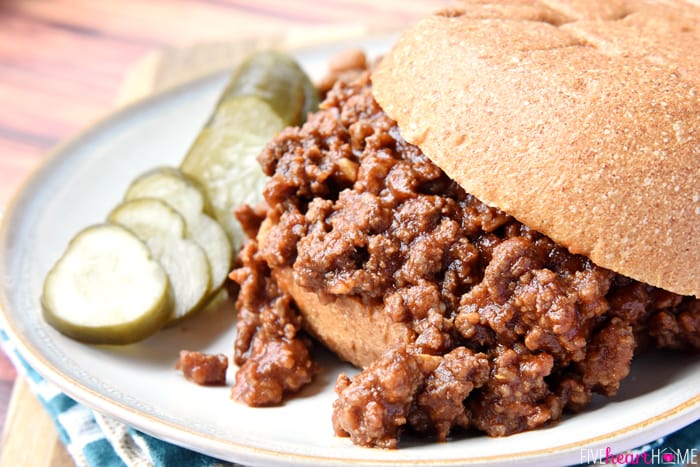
[(510, 329)]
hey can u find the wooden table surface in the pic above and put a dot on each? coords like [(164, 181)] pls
[(62, 63)]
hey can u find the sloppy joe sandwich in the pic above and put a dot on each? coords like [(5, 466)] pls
[(490, 223)]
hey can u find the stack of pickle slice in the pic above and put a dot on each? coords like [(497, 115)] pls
[(166, 250)]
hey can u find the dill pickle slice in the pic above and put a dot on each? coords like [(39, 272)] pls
[(171, 185), (311, 99), (267, 93), (162, 228), (189, 199), (223, 157), (118, 285), (107, 288), (276, 78)]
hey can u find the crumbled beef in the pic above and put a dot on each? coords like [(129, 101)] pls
[(345, 66), (402, 388), (372, 407), (516, 396), (251, 217), (273, 354), (440, 404), (677, 328), (521, 328), (203, 369)]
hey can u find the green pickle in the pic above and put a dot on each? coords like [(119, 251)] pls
[(118, 285), (268, 92)]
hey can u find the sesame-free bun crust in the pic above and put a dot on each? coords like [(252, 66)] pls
[(356, 332), (581, 119)]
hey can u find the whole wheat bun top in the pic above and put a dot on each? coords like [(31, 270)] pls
[(580, 119)]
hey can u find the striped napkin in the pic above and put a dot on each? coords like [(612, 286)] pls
[(93, 439)]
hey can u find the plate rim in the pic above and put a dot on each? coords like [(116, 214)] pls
[(96, 400), (669, 420)]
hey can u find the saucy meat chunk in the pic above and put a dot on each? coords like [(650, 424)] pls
[(402, 389), (203, 369), (273, 355)]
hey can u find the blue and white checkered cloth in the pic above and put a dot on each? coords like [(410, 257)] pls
[(93, 439)]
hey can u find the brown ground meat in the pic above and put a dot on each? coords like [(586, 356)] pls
[(374, 406), (423, 391), (203, 369), (521, 328), (273, 355)]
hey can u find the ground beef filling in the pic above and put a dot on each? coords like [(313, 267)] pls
[(272, 353), (510, 329)]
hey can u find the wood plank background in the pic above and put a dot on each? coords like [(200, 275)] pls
[(63, 61)]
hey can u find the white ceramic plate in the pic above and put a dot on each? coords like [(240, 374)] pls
[(138, 383)]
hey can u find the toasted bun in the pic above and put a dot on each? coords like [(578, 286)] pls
[(587, 130), (355, 332)]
